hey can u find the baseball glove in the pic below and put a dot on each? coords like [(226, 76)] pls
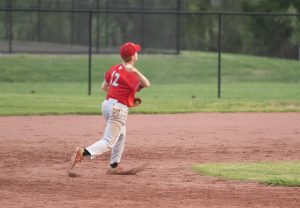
[(137, 101)]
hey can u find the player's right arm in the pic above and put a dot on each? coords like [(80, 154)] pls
[(144, 82)]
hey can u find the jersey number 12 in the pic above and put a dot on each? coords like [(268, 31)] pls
[(114, 78)]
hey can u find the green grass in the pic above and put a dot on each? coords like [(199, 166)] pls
[(50, 84), (71, 98), (189, 67), (270, 173)]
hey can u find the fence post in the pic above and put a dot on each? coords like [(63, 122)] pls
[(106, 23), (142, 7), (97, 26), (9, 25), (90, 54), (72, 22), (219, 54), (178, 28), (39, 21)]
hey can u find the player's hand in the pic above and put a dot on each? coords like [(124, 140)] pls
[(133, 69), (130, 68)]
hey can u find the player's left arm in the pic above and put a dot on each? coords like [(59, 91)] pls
[(104, 86)]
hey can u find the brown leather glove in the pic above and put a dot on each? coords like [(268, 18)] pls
[(137, 101)]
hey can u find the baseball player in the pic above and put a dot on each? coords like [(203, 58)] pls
[(121, 83)]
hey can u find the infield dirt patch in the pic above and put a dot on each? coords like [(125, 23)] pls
[(35, 152)]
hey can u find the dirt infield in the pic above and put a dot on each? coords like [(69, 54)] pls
[(35, 151)]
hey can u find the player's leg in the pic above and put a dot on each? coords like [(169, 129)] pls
[(79, 152), (110, 137), (113, 130), (116, 154), (118, 148), (116, 118)]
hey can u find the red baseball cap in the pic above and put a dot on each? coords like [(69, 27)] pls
[(129, 49)]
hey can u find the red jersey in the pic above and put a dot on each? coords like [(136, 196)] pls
[(123, 84)]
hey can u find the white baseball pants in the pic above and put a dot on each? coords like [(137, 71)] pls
[(115, 115)]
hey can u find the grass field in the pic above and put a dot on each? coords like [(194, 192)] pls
[(49, 84), (270, 173)]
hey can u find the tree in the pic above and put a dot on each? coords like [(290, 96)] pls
[(273, 35)]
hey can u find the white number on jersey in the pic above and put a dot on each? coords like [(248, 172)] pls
[(114, 78)]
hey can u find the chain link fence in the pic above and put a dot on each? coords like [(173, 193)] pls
[(65, 29)]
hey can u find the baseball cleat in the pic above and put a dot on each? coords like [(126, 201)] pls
[(77, 156), (115, 171), (120, 171)]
